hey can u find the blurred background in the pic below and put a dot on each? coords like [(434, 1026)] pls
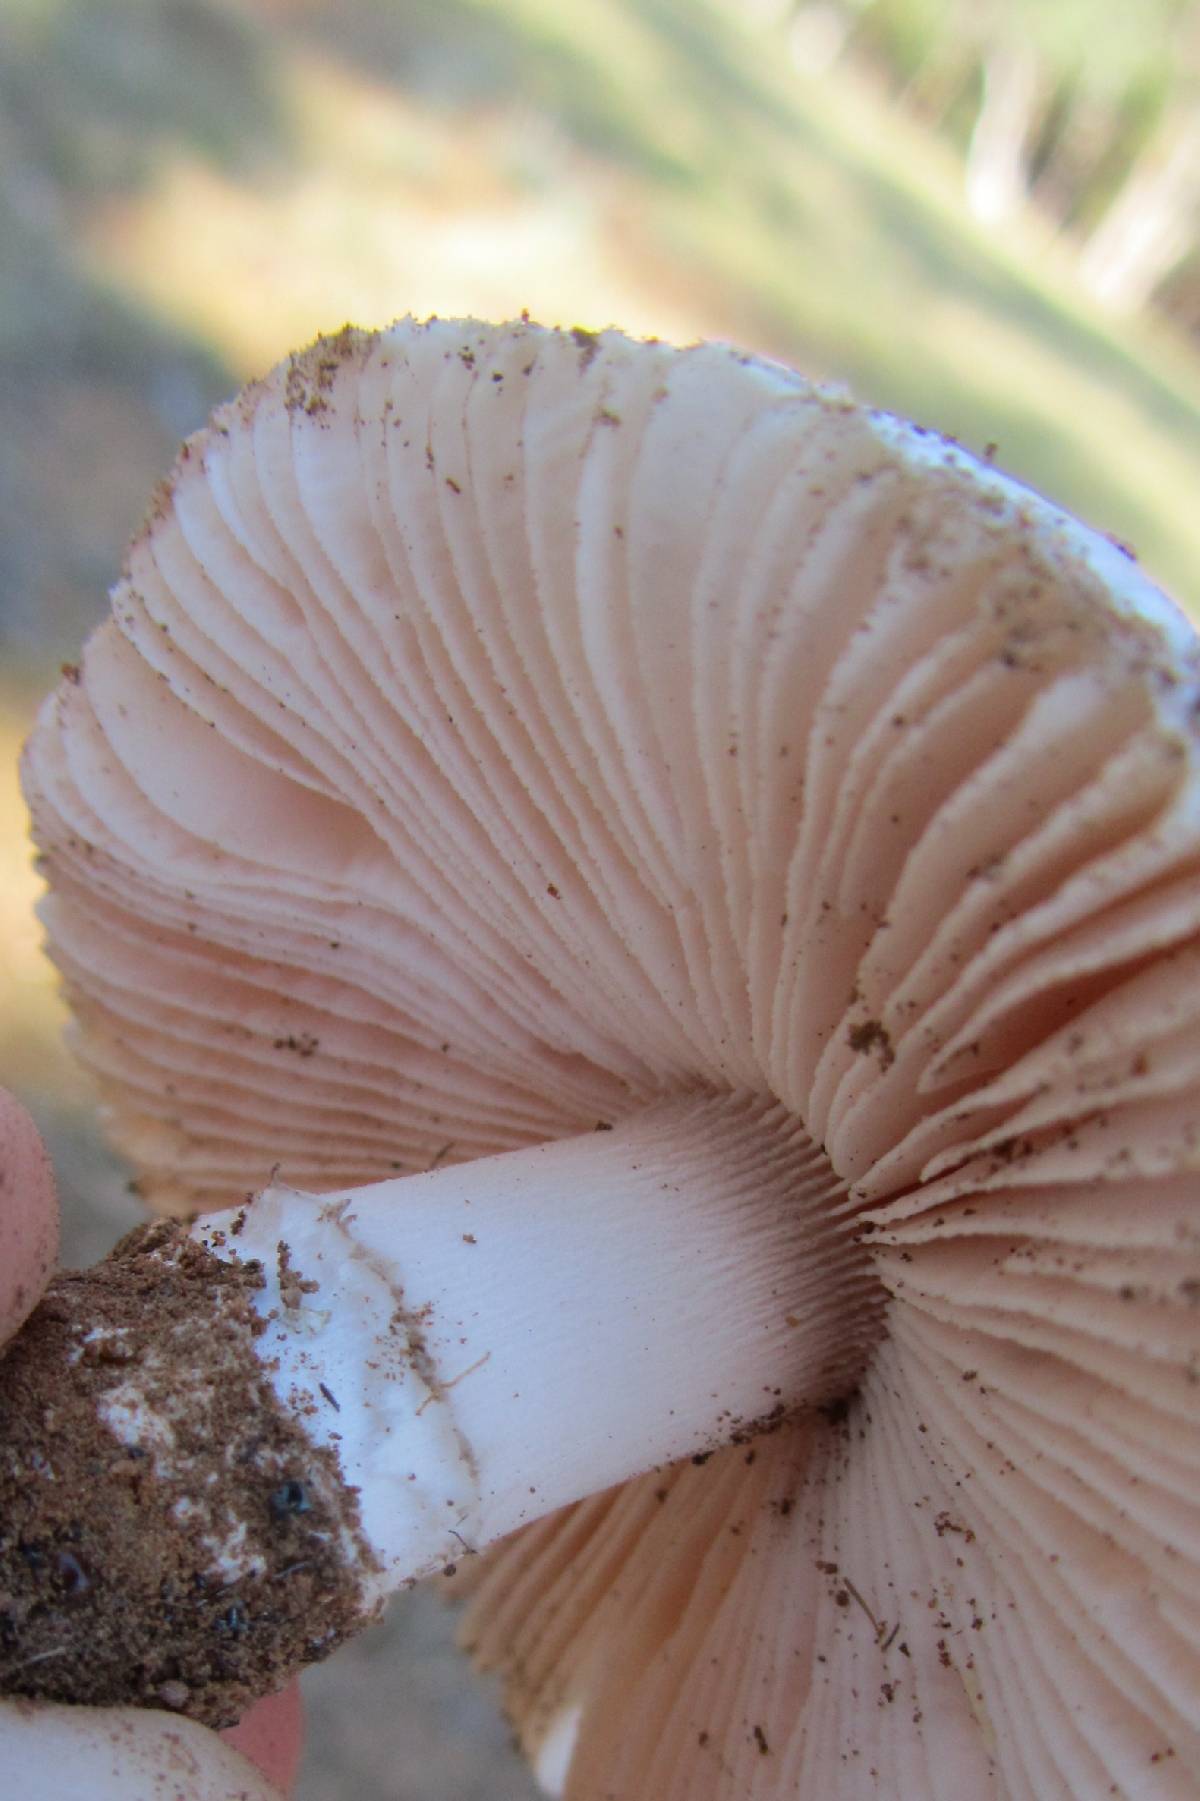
[(982, 213)]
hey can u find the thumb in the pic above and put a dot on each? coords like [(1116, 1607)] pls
[(28, 1215), (271, 1735)]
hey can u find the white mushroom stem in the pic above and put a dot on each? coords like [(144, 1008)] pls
[(487, 1342), (227, 1445)]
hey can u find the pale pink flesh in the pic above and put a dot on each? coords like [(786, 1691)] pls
[(271, 1736), (28, 1215)]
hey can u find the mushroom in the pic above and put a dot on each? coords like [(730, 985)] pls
[(503, 734)]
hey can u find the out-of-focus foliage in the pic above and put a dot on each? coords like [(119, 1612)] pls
[(1105, 45), (1082, 109), (93, 94), (94, 390)]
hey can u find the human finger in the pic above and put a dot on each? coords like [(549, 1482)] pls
[(271, 1735), (28, 1215)]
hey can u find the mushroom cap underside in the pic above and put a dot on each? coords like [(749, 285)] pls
[(498, 730)]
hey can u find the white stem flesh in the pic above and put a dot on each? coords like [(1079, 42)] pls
[(490, 1341)]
